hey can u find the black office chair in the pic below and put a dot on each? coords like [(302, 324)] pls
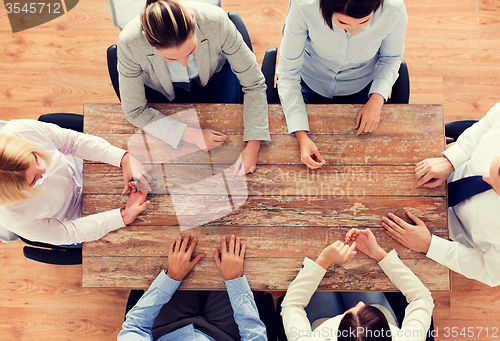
[(396, 299), (47, 253), (268, 64), (452, 130), (400, 93), (263, 300)]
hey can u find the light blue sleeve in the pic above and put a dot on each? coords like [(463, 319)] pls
[(391, 53), (245, 311), (140, 318)]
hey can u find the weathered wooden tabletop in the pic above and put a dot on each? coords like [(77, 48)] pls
[(287, 211)]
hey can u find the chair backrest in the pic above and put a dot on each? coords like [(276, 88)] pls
[(452, 130), (401, 89)]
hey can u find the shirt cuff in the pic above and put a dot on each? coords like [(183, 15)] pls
[(168, 130), (166, 283), (114, 156), (381, 87), (297, 122), (310, 265), (455, 155), (437, 250), (237, 287), (390, 258)]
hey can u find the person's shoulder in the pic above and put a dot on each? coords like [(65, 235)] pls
[(397, 6), (16, 126), (133, 30), (303, 3)]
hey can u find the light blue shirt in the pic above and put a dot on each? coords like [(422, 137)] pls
[(334, 63), (183, 74), (140, 318)]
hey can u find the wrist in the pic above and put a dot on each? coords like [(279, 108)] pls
[(323, 262), (253, 145), (125, 216), (379, 254), (174, 277), (377, 99), (301, 135)]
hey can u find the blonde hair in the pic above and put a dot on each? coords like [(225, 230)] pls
[(166, 23), (15, 158)]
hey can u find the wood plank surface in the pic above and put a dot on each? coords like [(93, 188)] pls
[(357, 274), (273, 181), (396, 119), (289, 212), (48, 302)]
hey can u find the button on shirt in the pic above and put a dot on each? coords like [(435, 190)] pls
[(140, 318), (474, 223), (334, 63)]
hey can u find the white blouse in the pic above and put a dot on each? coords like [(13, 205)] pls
[(55, 216)]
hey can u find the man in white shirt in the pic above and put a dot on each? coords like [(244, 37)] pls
[(474, 223)]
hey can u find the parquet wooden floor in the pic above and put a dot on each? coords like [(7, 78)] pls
[(452, 51)]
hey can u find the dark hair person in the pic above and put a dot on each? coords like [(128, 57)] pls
[(338, 52), (355, 316), (190, 53)]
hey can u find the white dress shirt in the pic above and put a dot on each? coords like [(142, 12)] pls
[(417, 314), (474, 223), (55, 216), (334, 63)]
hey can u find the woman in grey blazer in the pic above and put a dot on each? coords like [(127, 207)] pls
[(181, 51)]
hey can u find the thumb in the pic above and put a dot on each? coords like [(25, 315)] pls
[(217, 258), (125, 188), (196, 260), (414, 218)]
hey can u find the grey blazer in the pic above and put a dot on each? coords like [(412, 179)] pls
[(139, 64)]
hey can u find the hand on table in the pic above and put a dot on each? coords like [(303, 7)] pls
[(415, 237), (369, 116), (134, 172), (432, 172), (135, 205), (230, 262), (179, 257), (248, 158), (204, 138), (366, 243), (336, 253), (309, 153)]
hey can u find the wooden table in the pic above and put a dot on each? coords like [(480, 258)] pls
[(291, 212)]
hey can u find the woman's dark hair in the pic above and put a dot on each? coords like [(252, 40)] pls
[(369, 324), (166, 23), (352, 8)]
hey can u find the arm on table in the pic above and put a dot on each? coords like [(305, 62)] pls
[(470, 262), (230, 264), (140, 318), (302, 288)]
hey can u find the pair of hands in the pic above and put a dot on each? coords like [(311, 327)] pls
[(340, 252), (430, 173), (135, 178), (229, 262), (207, 138), (367, 121)]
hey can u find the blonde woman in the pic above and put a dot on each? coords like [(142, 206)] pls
[(190, 53), (41, 184)]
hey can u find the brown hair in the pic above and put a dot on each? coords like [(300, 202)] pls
[(15, 158), (352, 8), (369, 324), (166, 23)]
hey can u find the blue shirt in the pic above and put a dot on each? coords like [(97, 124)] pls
[(140, 318), (334, 63)]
